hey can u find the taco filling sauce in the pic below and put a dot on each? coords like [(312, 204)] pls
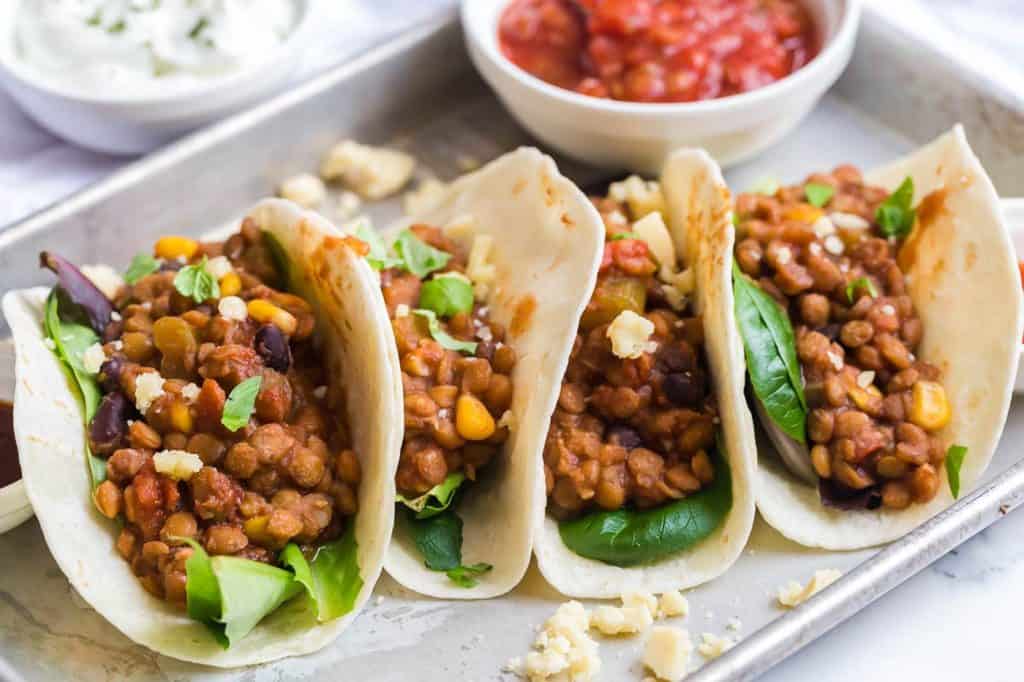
[(828, 251), (634, 422), (218, 422), (658, 50)]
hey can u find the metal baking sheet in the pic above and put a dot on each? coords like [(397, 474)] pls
[(420, 93)]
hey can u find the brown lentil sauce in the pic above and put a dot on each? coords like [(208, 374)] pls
[(453, 402), (289, 475), (630, 431), (10, 470), (874, 406)]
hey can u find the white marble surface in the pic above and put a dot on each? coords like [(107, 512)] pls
[(958, 618)]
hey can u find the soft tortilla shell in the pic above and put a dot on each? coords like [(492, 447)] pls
[(50, 436), (966, 287), (698, 213), (548, 241)]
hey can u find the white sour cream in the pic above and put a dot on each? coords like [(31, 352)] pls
[(147, 46)]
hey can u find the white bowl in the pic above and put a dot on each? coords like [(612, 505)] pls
[(639, 136), (1013, 211), (14, 504), (131, 123)]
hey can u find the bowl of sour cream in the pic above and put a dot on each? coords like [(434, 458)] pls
[(125, 76)]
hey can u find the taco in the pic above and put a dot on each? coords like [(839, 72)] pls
[(203, 445), (649, 459), (484, 292), (882, 318)]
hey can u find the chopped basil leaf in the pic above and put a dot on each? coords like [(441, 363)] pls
[(195, 282), (895, 217), (860, 283), (417, 256), (95, 19), (766, 185), (198, 28), (465, 576), (954, 460), (439, 541), (378, 258), (240, 404), (624, 235), (818, 194), (443, 337), (435, 500), (116, 27), (142, 264), (447, 295)]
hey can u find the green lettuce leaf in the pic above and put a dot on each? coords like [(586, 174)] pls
[(447, 294), (417, 256), (379, 257), (441, 336), (954, 461), (435, 500)]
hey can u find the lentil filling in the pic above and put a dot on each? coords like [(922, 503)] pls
[(875, 408), (631, 429), (283, 473)]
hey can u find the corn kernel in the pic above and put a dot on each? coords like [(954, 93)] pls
[(929, 407), (804, 213), (866, 399), (230, 284), (256, 527), (472, 420), (176, 247), (181, 417), (266, 312)]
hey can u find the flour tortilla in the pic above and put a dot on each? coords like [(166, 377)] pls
[(548, 241), (50, 436), (966, 287), (698, 216)]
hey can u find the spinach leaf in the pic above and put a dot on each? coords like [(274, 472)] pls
[(441, 336), (439, 541), (770, 349), (954, 461), (435, 500), (417, 256), (241, 403), (818, 194), (196, 282), (447, 294), (860, 283), (465, 576), (142, 264), (70, 340), (628, 537), (895, 217)]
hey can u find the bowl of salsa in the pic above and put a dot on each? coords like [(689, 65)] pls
[(622, 83), (14, 504)]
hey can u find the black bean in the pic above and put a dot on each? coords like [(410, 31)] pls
[(830, 331), (171, 265), (624, 436), (110, 374), (685, 389), (109, 428), (272, 346)]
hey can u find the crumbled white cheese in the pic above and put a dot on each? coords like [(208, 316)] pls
[(793, 593), (426, 197), (617, 218), (118, 345), (823, 227), (461, 227), (667, 652), (849, 221), (115, 316), (93, 358), (484, 333), (652, 229), (834, 245), (627, 620), (866, 378), (678, 286), (177, 464), (401, 310), (304, 189), (372, 172), (105, 278), (232, 308), (630, 335), (815, 248), (348, 204), (673, 604), (219, 266), (835, 360), (507, 420), (190, 392), (783, 255), (564, 648), (644, 600), (712, 646), (148, 387), (320, 392), (888, 310), (479, 269), (641, 196)]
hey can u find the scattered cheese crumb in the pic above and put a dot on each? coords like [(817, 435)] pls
[(507, 420), (823, 227), (105, 279), (888, 310), (304, 189), (865, 378), (630, 335), (232, 308), (348, 204), (118, 345), (426, 197), (479, 269), (849, 221), (645, 600), (564, 649), (93, 358), (652, 229), (642, 196), (219, 266), (177, 464), (667, 652), (673, 604), (379, 600), (627, 620), (372, 172), (712, 646), (678, 286), (148, 387), (834, 245), (793, 593), (783, 255), (115, 316), (320, 392), (485, 334), (815, 248), (190, 392), (837, 362), (402, 310)]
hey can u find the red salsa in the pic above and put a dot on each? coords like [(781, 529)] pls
[(658, 50), (9, 469)]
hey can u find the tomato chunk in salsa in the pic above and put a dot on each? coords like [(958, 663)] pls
[(658, 50)]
